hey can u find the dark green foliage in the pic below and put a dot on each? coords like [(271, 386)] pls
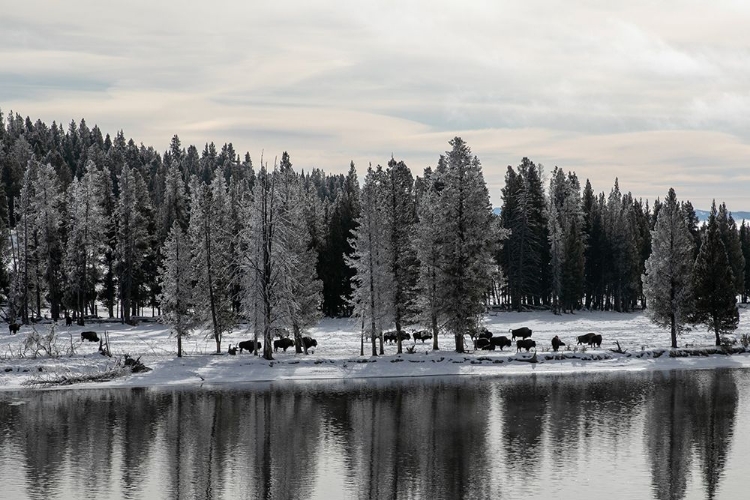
[(745, 245), (715, 299)]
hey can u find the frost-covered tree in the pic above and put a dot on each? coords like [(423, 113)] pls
[(176, 284), (84, 237), (23, 250), (714, 288), (731, 238), (745, 246), (372, 281), (301, 291), (108, 260), (428, 246), (466, 241), (668, 280), (209, 241), (46, 207)]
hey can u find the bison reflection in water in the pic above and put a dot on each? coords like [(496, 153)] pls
[(674, 429)]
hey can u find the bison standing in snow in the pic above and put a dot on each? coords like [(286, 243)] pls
[(556, 343), (596, 340), (522, 332), (283, 343), (525, 344), (586, 339), (422, 335), (90, 336), (309, 342), (13, 327), (249, 345), (501, 341)]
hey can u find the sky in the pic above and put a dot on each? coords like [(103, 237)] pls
[(652, 92)]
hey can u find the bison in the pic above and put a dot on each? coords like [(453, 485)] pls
[(90, 336), (525, 344), (501, 341), (14, 327), (389, 337), (68, 320), (556, 343), (249, 345), (596, 339), (422, 335), (483, 343), (522, 332), (232, 350), (586, 339), (283, 343), (309, 342)]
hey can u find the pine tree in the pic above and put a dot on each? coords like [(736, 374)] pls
[(131, 239), (372, 281), (400, 216), (668, 279), (84, 239), (745, 245), (176, 284), (466, 241), (427, 243), (715, 299), (209, 242), (46, 207), (731, 238)]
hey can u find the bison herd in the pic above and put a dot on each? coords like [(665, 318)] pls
[(486, 341), (283, 343)]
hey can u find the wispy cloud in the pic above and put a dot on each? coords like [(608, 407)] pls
[(653, 93)]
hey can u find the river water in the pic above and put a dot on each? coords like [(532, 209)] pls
[(663, 435)]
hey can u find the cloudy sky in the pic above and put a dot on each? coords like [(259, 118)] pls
[(654, 92)]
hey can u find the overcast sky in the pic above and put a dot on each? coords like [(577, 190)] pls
[(656, 93)]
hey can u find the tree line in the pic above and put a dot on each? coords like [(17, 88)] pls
[(208, 238)]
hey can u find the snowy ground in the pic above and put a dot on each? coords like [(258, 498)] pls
[(337, 354)]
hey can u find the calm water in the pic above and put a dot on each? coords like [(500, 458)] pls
[(656, 435)]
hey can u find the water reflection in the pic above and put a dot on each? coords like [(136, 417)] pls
[(444, 438)]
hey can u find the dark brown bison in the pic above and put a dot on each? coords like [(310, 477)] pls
[(90, 336), (483, 343), (556, 343), (522, 332), (232, 350), (525, 344), (309, 342), (596, 340), (501, 341), (422, 335), (586, 339), (14, 327), (249, 345), (283, 343), (68, 320)]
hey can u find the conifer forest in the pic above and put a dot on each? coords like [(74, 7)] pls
[(98, 225)]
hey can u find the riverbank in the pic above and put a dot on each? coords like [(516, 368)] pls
[(337, 355)]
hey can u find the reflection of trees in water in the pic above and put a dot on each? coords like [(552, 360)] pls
[(417, 439), (524, 403), (686, 409), (714, 428), (583, 406)]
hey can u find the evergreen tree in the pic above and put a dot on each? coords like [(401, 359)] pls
[(428, 246), (465, 241), (176, 284), (731, 238), (132, 237), (668, 280), (745, 245), (84, 239), (209, 242), (46, 207), (372, 281), (400, 217), (715, 299)]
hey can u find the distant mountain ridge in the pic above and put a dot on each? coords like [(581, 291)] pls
[(702, 214)]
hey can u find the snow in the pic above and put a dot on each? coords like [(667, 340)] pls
[(337, 356)]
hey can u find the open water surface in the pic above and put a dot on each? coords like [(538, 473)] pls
[(663, 435)]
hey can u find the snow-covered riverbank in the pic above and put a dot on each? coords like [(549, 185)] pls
[(337, 355)]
